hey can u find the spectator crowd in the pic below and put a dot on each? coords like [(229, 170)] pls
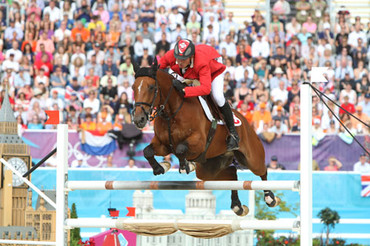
[(76, 57)]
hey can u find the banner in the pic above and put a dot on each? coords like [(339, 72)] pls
[(365, 185), (286, 148), (97, 143)]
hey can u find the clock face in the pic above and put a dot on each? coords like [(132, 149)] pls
[(21, 167)]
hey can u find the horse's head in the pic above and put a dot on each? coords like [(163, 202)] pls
[(145, 92)]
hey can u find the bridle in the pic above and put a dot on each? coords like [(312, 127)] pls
[(158, 111), (150, 105)]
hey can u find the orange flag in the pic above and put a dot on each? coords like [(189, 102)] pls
[(131, 211), (53, 117)]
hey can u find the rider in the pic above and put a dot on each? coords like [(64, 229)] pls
[(201, 62)]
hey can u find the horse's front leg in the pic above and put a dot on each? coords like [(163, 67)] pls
[(156, 148)]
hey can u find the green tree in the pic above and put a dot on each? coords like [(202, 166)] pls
[(329, 218), (75, 233), (263, 212)]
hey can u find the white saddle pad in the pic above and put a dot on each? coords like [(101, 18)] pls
[(237, 121)]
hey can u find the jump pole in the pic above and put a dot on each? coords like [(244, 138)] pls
[(182, 185), (306, 166), (62, 176)]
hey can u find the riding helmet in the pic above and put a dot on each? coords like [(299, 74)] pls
[(184, 49)]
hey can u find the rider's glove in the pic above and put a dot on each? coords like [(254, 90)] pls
[(179, 86)]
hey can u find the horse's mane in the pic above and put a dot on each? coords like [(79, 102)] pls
[(145, 72), (149, 72)]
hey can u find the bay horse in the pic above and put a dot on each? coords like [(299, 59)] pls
[(181, 127)]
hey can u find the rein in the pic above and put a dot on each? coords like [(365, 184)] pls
[(160, 110)]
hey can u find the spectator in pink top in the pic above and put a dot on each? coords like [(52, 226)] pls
[(43, 51), (310, 25), (104, 15), (49, 45), (33, 8), (334, 164)]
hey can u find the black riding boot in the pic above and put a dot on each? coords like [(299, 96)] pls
[(232, 141)]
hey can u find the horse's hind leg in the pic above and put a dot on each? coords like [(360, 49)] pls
[(270, 199), (261, 171), (205, 172), (181, 151)]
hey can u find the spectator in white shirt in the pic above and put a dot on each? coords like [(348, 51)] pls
[(62, 32), (341, 71), (228, 24), (362, 165), (99, 54), (53, 11), (175, 34), (239, 71), (14, 50), (260, 48), (355, 35), (175, 18), (92, 102), (131, 164), (158, 33), (216, 25), (140, 44), (327, 120), (79, 54), (208, 14), (274, 81), (22, 79), (280, 94), (229, 46), (9, 33), (54, 99), (279, 127), (209, 33), (165, 3), (10, 63)]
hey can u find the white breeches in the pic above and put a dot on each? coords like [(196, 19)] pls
[(217, 90)]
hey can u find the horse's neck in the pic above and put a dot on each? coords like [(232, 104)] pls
[(168, 92)]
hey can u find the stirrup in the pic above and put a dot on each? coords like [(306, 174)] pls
[(232, 142)]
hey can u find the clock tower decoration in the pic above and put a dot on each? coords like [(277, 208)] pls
[(13, 191)]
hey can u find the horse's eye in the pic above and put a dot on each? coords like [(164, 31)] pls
[(151, 87)]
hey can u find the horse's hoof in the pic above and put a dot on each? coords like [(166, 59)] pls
[(241, 211), (158, 170), (184, 170), (165, 165), (277, 201), (245, 211), (271, 200), (190, 167)]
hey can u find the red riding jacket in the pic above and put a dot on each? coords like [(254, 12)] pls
[(205, 69)]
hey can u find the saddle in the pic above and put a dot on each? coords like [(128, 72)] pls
[(207, 102), (210, 108)]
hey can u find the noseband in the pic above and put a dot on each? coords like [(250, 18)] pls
[(150, 105)]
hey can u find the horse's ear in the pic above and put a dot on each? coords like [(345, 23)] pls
[(136, 66), (155, 65)]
